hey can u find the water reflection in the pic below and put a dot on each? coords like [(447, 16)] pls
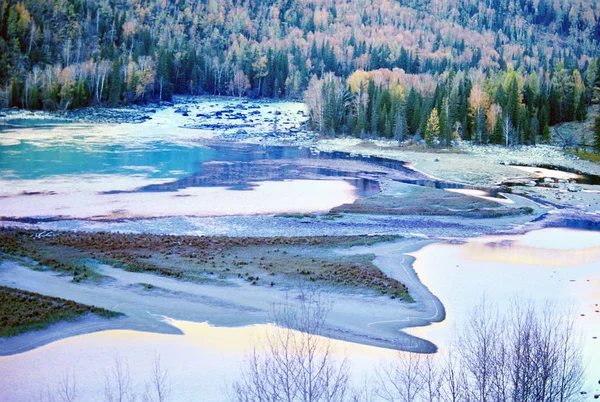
[(511, 252), (558, 265), (205, 358), (201, 363), (245, 175)]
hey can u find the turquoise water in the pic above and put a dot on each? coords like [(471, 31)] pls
[(160, 159)]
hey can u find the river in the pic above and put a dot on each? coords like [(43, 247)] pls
[(77, 176)]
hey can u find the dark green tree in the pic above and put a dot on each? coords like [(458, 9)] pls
[(401, 124), (413, 111), (569, 105), (597, 134), (116, 85), (554, 106), (581, 109), (546, 136)]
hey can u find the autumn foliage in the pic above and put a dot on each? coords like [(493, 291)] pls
[(73, 53)]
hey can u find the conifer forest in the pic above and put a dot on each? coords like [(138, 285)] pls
[(488, 71)]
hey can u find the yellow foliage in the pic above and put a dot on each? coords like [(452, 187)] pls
[(358, 79)]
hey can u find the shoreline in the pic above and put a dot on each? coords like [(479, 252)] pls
[(467, 164), (485, 166), (377, 320)]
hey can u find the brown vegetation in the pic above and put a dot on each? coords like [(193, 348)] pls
[(279, 261), (22, 311)]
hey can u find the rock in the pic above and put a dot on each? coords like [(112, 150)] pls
[(573, 189), (436, 160), (185, 114), (532, 183), (548, 180)]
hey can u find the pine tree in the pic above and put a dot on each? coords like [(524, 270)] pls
[(401, 125), (512, 106), (376, 107), (569, 106), (597, 134), (416, 65), (425, 115), (554, 106), (413, 111), (165, 85), (432, 131), (114, 95), (546, 134), (497, 134), (445, 129), (361, 121), (581, 109), (596, 84)]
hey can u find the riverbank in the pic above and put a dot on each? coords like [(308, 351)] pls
[(552, 177), (361, 312), (464, 192), (196, 120)]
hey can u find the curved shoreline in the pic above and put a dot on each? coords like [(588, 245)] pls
[(359, 318)]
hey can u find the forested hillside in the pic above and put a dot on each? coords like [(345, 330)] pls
[(59, 54)]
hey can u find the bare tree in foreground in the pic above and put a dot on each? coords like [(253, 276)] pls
[(296, 363), (158, 387), (117, 383), (403, 380), (67, 388), (530, 354)]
